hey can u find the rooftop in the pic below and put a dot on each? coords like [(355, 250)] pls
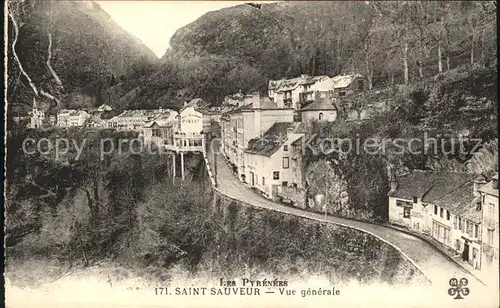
[(321, 104), (451, 190), (342, 81), (162, 120), (489, 189), (272, 140)]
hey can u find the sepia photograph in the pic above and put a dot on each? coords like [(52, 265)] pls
[(250, 154)]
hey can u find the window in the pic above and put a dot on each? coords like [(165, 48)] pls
[(490, 237), (469, 228), (342, 93), (285, 183), (276, 175), (441, 211), (435, 210), (263, 181), (448, 216), (320, 116), (406, 212), (458, 245), (455, 222), (476, 231), (415, 199), (286, 162), (285, 148)]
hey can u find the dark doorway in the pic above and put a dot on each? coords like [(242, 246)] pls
[(253, 178), (465, 253)]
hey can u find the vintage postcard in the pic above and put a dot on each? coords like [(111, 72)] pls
[(251, 154)]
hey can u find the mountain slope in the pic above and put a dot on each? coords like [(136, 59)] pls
[(242, 47), (71, 50)]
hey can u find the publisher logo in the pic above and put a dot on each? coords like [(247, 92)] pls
[(458, 288)]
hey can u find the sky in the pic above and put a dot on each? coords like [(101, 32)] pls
[(155, 22)]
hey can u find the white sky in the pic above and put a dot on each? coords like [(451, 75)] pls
[(154, 22)]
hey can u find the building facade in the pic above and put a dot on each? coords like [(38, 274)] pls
[(249, 121), (297, 92), (134, 120), (160, 131), (72, 118), (323, 109), (268, 160), (449, 207), (345, 85), (490, 230)]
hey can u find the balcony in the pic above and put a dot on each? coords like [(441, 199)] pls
[(187, 143)]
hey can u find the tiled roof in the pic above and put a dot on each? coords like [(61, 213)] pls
[(287, 84), (462, 202), (450, 190), (343, 81), (488, 188), (272, 140), (429, 185), (265, 103), (163, 120), (313, 79), (321, 104)]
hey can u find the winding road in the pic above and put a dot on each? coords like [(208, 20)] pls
[(435, 266)]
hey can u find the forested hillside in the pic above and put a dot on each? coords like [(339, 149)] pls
[(68, 53), (242, 47)]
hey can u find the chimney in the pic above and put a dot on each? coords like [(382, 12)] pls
[(494, 182), (255, 100), (478, 182), (393, 185)]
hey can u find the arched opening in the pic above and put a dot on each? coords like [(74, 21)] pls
[(320, 116)]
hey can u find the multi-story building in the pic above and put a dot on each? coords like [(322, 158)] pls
[(268, 159), (297, 92), (160, 131), (300, 91), (71, 118), (490, 229), (249, 121), (345, 85), (446, 206), (135, 119)]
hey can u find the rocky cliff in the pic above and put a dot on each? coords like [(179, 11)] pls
[(69, 52)]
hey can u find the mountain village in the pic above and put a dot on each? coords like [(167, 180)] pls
[(262, 140)]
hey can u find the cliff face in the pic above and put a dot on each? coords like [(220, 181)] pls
[(67, 49)]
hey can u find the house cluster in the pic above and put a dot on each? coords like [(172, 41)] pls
[(67, 117), (456, 209), (262, 135)]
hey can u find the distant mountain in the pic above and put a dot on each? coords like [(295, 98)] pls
[(88, 53)]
